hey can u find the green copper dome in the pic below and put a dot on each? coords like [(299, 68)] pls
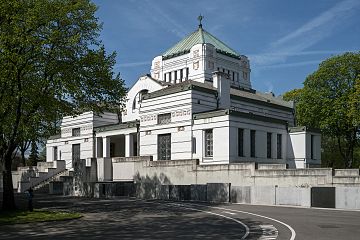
[(199, 36)]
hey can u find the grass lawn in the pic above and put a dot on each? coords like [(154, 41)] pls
[(15, 217)]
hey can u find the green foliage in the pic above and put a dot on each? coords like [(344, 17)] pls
[(34, 154), (292, 95), (17, 217), (51, 65), (330, 101)]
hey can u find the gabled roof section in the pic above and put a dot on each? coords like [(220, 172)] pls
[(261, 98), (198, 37), (183, 86)]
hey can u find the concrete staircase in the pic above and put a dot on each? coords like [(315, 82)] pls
[(38, 176), (44, 185)]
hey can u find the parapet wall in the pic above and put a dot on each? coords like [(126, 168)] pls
[(184, 172)]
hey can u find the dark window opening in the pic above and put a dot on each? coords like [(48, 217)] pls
[(252, 143), (164, 118), (75, 132), (240, 142), (279, 146), (193, 145), (268, 143), (312, 146), (55, 153)]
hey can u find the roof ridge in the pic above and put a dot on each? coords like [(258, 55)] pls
[(197, 37), (202, 34)]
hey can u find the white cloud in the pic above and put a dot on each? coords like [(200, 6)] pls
[(307, 35), (286, 65), (161, 18)]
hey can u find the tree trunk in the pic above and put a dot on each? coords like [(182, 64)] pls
[(8, 194)]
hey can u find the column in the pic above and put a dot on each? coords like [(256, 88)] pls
[(106, 146), (128, 145)]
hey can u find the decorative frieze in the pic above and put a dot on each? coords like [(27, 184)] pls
[(177, 113), (182, 112)]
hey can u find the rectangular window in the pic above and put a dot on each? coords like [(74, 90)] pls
[(268, 145), (193, 145), (252, 143), (164, 118), (279, 146), (112, 149), (187, 73), (175, 78), (164, 77), (208, 143), (55, 149), (233, 76), (164, 147), (240, 142), (181, 74), (312, 146), (75, 132), (170, 76)]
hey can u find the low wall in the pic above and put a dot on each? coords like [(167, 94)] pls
[(294, 196), (238, 182), (347, 197)]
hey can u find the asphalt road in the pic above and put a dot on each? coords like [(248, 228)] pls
[(135, 219)]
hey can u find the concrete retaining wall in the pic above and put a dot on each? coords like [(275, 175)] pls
[(347, 197), (56, 188), (218, 192), (263, 195), (240, 194), (293, 196), (237, 183)]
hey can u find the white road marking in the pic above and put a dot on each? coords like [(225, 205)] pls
[(293, 233), (231, 213), (269, 232), (247, 230)]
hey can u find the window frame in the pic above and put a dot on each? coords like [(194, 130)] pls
[(252, 143), (164, 148), (279, 146), (240, 142), (269, 145), (161, 118), (76, 132), (209, 143)]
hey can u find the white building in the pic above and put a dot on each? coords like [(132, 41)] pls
[(196, 103)]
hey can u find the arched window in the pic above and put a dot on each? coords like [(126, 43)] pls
[(137, 99)]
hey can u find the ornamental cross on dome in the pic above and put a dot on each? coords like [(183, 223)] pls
[(200, 18)]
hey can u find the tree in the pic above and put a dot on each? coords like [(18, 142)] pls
[(330, 101), (51, 65), (34, 154)]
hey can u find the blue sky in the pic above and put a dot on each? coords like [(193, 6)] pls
[(284, 40)]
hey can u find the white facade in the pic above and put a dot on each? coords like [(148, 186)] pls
[(197, 103)]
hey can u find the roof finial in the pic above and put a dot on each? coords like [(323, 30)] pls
[(200, 18)]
